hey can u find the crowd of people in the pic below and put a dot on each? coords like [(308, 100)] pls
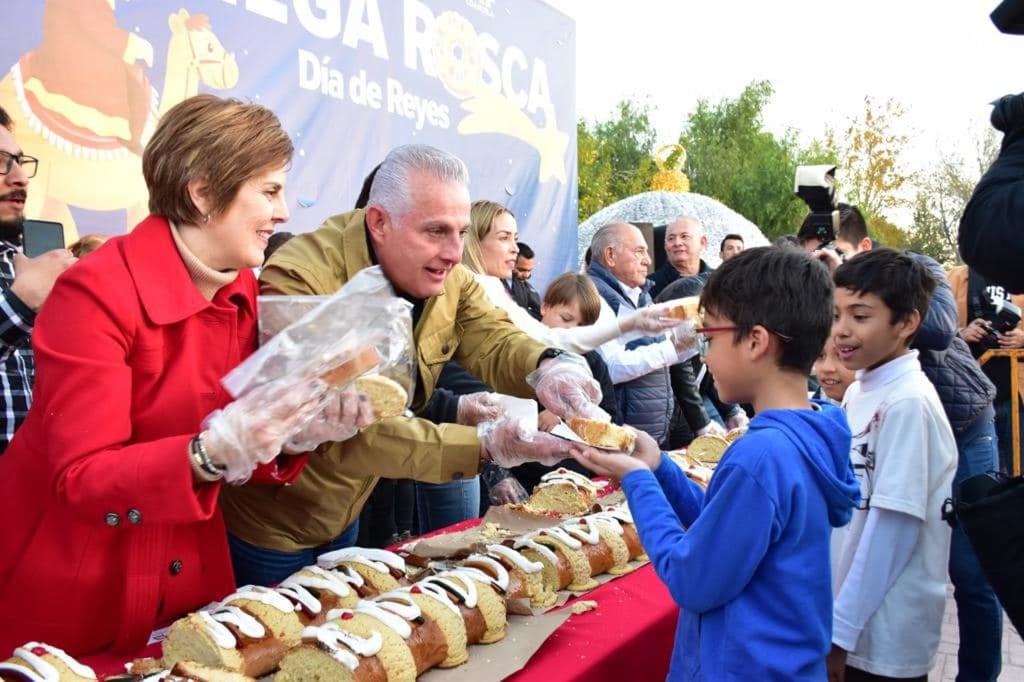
[(132, 480)]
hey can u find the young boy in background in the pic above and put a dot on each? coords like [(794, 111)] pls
[(748, 561), (890, 561), (833, 377)]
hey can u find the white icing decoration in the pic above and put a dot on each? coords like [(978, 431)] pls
[(619, 513), (246, 624), (561, 536), (301, 595), (436, 593), (396, 623), (545, 551), (500, 575), (608, 521), (41, 671), (264, 595), (461, 584), (332, 636), (379, 559), (560, 476), (515, 558), (332, 581), (399, 603), (588, 533)]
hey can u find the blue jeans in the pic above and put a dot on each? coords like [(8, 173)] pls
[(442, 504), (978, 612), (260, 566)]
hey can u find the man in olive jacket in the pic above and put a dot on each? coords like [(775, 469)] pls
[(413, 228)]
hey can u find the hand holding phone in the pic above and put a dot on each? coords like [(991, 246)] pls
[(34, 277), (40, 236)]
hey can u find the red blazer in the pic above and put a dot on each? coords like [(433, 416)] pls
[(105, 535)]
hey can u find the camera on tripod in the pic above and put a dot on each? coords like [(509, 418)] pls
[(816, 186), (1002, 317)]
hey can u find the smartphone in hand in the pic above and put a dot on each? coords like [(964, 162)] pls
[(40, 236)]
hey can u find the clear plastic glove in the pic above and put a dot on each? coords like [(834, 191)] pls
[(511, 442), (737, 421), (254, 428), (478, 407), (684, 338), (712, 429), (650, 320), (508, 491), (565, 386), (344, 412)]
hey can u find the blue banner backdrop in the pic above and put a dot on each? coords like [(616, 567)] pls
[(490, 80)]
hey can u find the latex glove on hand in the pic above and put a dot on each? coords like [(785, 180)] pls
[(712, 429), (507, 491), (684, 338), (344, 412), (475, 408), (511, 442), (253, 429), (565, 386), (737, 421)]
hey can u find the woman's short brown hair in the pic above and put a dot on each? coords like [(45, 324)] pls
[(573, 287), (481, 214), (224, 142)]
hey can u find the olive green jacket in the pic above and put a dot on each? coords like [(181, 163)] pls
[(460, 323)]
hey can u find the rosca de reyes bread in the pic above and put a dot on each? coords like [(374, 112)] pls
[(386, 395), (602, 434), (707, 449), (358, 362), (687, 308)]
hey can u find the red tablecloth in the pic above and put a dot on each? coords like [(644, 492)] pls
[(628, 636)]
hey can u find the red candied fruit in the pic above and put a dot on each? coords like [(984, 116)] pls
[(39, 651), (415, 589), (583, 522), (348, 615)]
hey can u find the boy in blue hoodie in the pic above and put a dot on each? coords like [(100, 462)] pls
[(748, 561)]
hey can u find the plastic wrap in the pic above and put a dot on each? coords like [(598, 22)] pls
[(316, 345)]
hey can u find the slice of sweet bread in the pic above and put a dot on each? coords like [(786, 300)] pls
[(530, 572), (563, 492), (330, 653), (38, 661)]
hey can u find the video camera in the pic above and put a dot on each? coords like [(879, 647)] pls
[(816, 186), (1002, 317)]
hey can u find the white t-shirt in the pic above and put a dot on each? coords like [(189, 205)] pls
[(904, 455)]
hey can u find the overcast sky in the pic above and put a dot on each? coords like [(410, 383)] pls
[(942, 59)]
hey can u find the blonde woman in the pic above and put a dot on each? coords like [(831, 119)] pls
[(490, 252)]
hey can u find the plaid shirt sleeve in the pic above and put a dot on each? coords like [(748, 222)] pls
[(17, 364)]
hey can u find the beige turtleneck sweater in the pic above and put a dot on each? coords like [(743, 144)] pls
[(206, 279)]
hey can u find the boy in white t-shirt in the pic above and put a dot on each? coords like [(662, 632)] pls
[(889, 563)]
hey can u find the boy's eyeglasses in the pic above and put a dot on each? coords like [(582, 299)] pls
[(703, 342)]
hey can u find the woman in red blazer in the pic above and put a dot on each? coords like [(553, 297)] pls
[(108, 492)]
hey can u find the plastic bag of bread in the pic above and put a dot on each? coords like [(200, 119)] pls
[(362, 329)]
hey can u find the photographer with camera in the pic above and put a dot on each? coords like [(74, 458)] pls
[(990, 318)]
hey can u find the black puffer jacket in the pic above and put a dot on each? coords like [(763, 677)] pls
[(963, 388)]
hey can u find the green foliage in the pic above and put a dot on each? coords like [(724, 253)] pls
[(614, 157), (868, 152), (732, 158)]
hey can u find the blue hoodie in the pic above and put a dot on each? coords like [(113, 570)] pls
[(751, 572)]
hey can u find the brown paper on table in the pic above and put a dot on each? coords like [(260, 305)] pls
[(524, 637)]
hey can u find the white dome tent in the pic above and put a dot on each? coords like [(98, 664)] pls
[(661, 207)]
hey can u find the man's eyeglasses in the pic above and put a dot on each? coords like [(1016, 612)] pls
[(703, 342), (29, 164)]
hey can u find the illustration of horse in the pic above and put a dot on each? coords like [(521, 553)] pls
[(90, 160)]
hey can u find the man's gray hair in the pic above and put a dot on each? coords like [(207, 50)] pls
[(390, 188), (607, 235)]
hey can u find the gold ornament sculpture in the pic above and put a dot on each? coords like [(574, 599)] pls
[(670, 177)]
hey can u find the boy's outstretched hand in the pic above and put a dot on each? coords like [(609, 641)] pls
[(646, 455)]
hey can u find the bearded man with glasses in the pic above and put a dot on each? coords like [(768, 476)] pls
[(24, 284)]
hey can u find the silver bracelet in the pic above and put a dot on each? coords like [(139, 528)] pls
[(201, 461)]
